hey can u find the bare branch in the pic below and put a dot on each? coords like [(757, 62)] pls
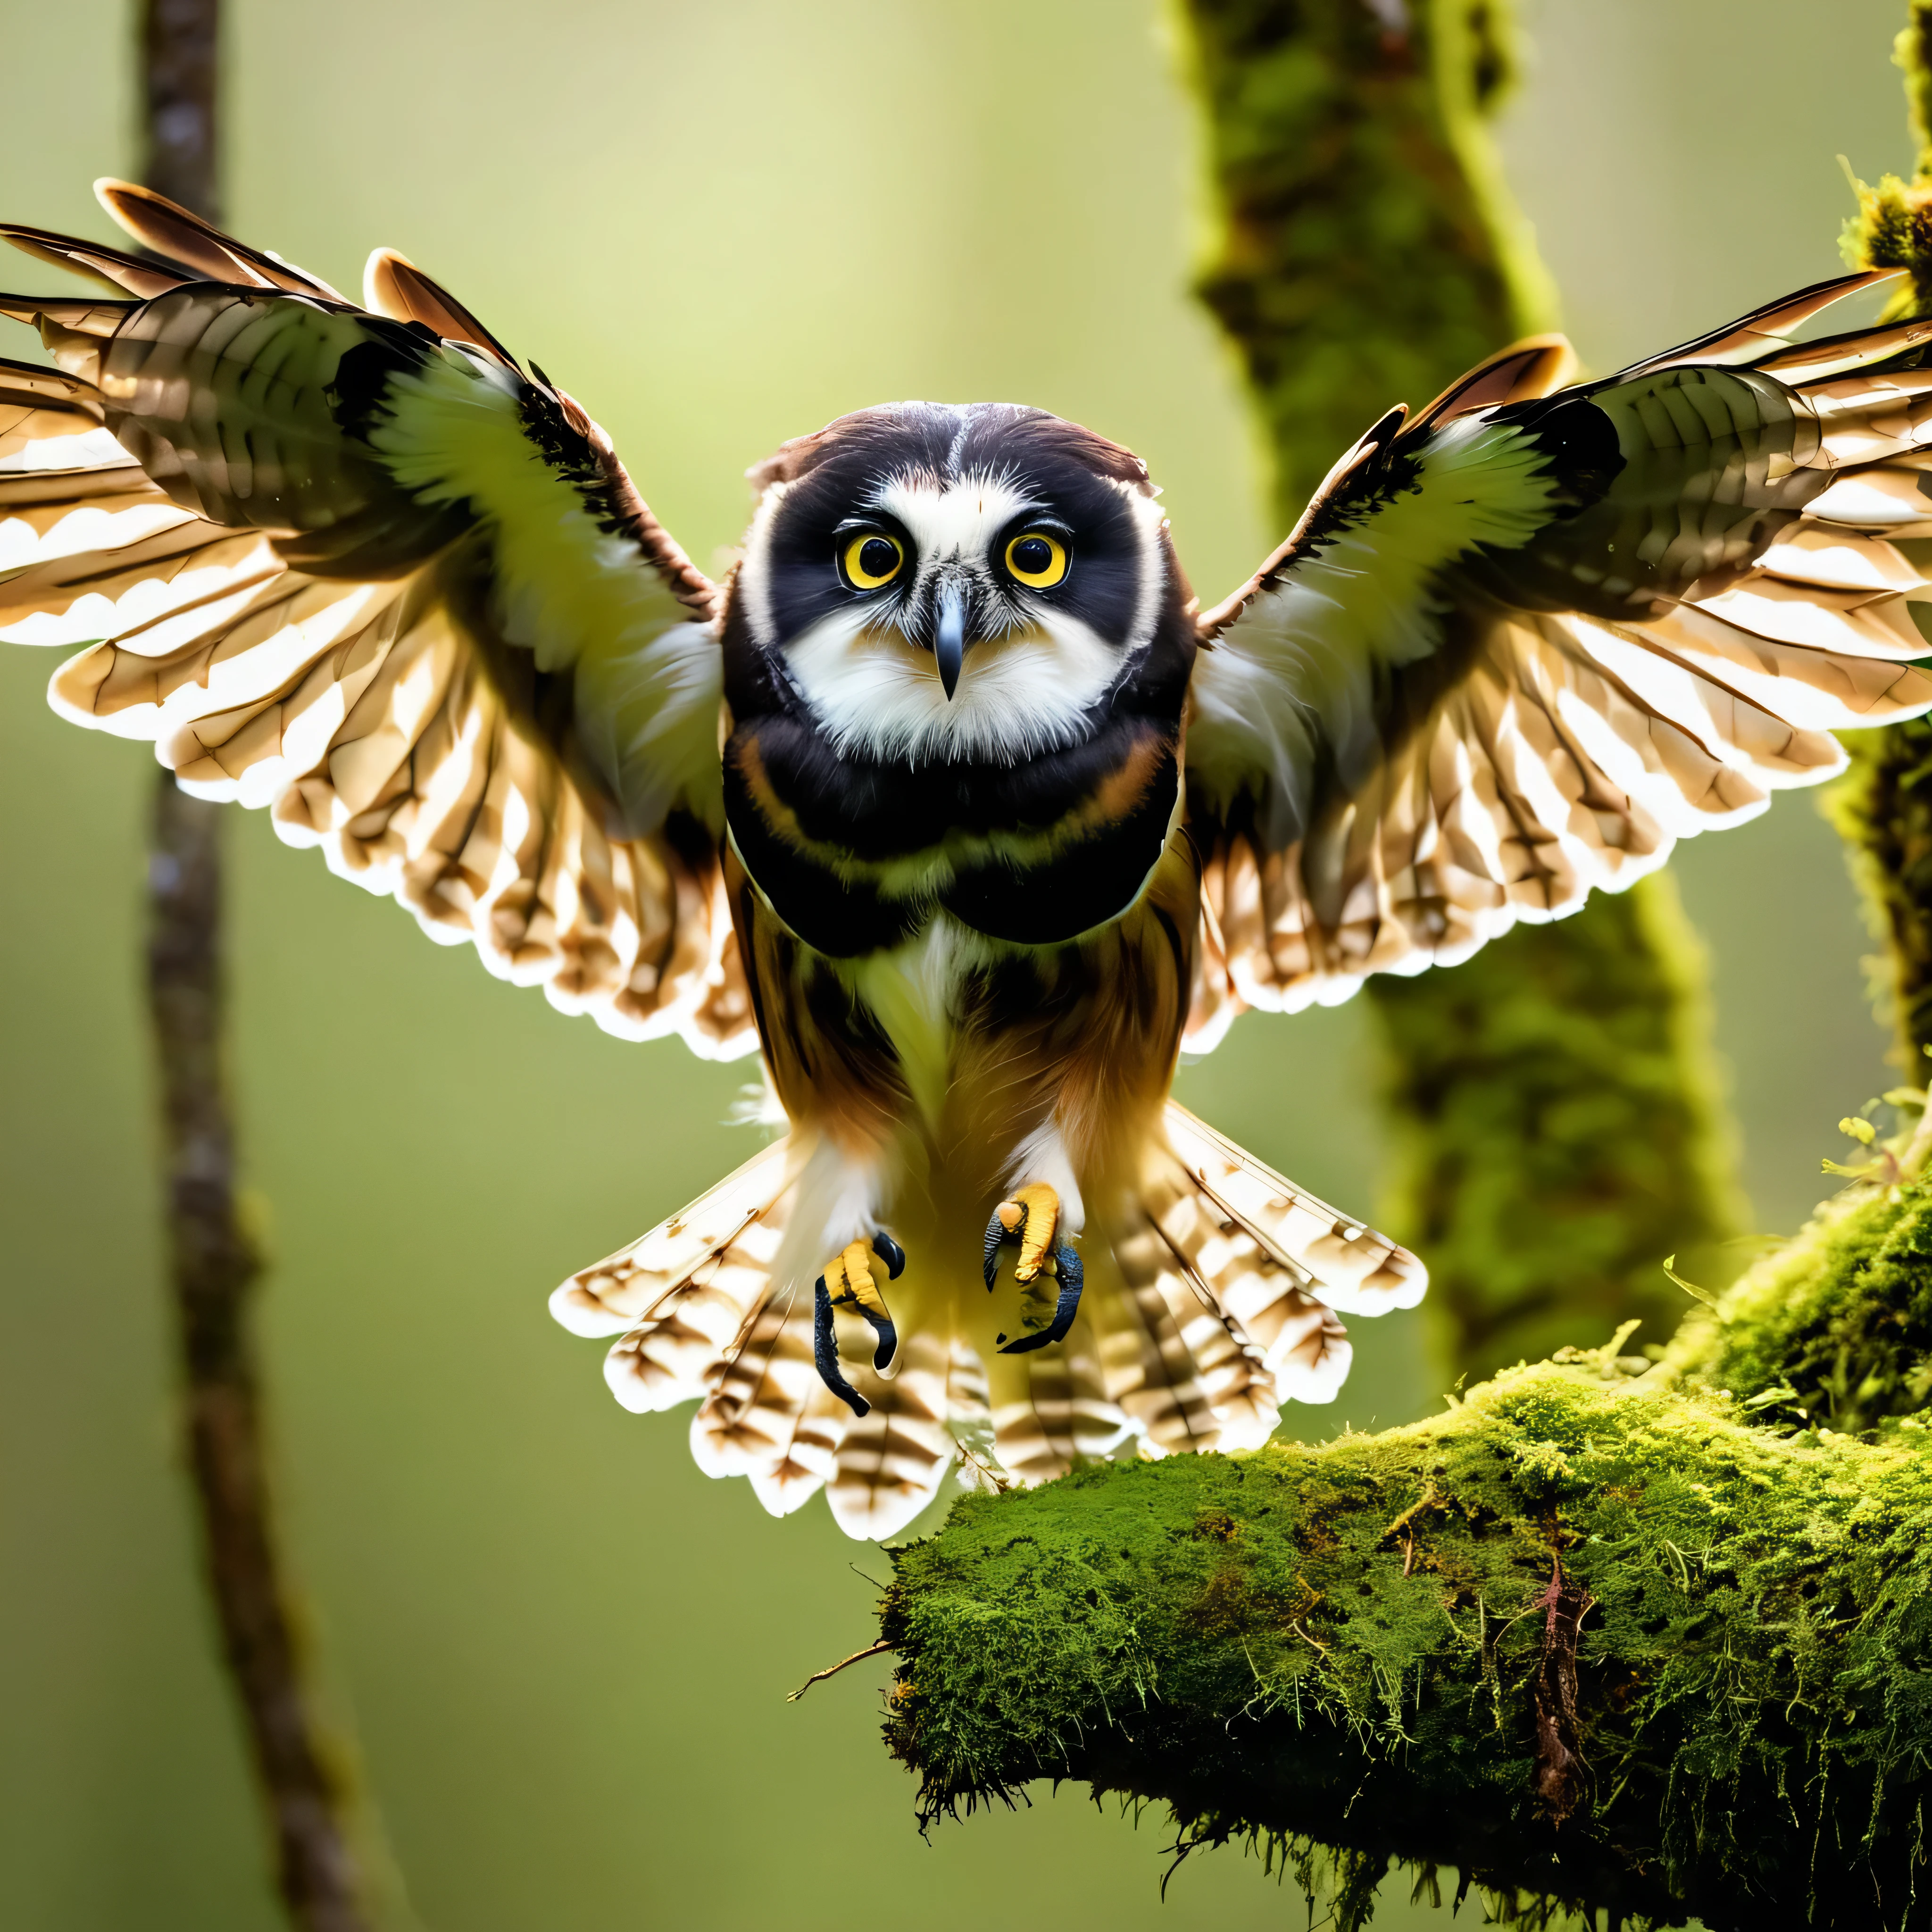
[(213, 1265), (833, 1669)]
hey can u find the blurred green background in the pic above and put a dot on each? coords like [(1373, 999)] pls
[(565, 1652)]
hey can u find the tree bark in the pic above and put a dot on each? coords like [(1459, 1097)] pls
[(1558, 1129), (214, 1264)]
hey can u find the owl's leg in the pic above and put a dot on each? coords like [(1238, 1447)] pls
[(836, 1210), (1031, 1221), (850, 1283)]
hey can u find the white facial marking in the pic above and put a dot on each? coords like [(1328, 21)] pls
[(955, 524), (878, 694)]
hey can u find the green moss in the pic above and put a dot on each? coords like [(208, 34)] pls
[(1346, 1646), (1835, 1329), (1883, 808)]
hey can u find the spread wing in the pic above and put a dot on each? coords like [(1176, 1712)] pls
[(353, 564), (1518, 646)]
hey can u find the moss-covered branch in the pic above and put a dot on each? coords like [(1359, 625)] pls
[(1558, 1126), (1658, 1643)]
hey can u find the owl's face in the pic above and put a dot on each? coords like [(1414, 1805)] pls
[(942, 584)]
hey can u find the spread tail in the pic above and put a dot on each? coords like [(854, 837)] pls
[(1209, 1301)]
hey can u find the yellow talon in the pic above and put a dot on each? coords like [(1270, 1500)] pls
[(1032, 1218), (849, 1281), (1040, 1206)]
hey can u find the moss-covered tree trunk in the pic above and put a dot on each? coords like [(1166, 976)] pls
[(1883, 806), (1558, 1128)]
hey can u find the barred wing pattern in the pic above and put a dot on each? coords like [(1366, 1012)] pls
[(1516, 649), (366, 579)]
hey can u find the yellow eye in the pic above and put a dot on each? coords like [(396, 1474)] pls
[(873, 559), (1036, 559)]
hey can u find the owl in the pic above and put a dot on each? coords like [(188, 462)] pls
[(951, 801)]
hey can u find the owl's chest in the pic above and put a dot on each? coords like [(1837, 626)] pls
[(856, 856)]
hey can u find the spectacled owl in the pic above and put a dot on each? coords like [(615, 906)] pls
[(951, 801)]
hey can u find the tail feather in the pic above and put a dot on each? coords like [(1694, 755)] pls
[(1339, 1260), (741, 1218), (1179, 1344), (1238, 1387), (767, 1415), (969, 1417), (892, 1460), (1270, 1303), (1207, 1307), (1051, 1411)]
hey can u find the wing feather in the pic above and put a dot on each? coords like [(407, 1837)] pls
[(394, 285), (178, 236), (1516, 650), (344, 580)]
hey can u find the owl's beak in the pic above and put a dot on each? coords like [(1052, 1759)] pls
[(949, 638)]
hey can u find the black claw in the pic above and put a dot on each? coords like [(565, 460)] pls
[(825, 1352), (887, 1344), (886, 1334), (1071, 1277), (996, 1233)]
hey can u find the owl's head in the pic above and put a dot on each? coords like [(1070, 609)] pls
[(942, 582)]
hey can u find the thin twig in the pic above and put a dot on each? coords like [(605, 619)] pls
[(833, 1669), (213, 1265)]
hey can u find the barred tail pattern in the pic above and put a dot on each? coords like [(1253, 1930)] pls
[(1211, 1302)]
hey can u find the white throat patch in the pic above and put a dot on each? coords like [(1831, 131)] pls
[(875, 693)]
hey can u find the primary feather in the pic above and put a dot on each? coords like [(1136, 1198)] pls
[(396, 592), (1516, 652)]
